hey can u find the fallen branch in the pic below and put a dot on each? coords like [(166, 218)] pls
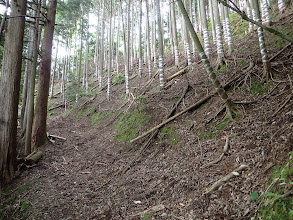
[(226, 178), (180, 72), (282, 106), (196, 105), (148, 142), (56, 137), (225, 151)]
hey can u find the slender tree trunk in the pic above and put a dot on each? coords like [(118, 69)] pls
[(262, 45), (9, 90), (86, 65), (281, 5), (174, 29), (148, 39), (54, 69), (228, 30), (154, 40), (249, 14), (81, 47), (97, 48), (40, 120), (219, 34), (161, 47), (205, 30), (187, 41), (139, 40), (212, 21), (28, 70), (110, 54), (31, 82), (266, 12), (102, 46), (118, 42)]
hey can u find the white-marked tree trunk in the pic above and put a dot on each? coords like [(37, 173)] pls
[(161, 46), (205, 30), (148, 39), (139, 40), (174, 30), (110, 54), (187, 41), (262, 45), (100, 76), (228, 30)]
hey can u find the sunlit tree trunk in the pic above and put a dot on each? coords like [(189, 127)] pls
[(205, 30), (40, 119), (81, 47), (262, 45), (228, 30), (266, 12), (110, 54), (139, 40), (249, 14), (97, 47), (148, 39), (219, 34), (118, 42), (102, 46), (154, 36), (54, 69), (161, 46), (86, 65), (9, 90), (174, 30), (187, 40), (281, 5), (211, 13)]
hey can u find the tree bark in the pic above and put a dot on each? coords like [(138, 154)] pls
[(40, 120), (9, 90)]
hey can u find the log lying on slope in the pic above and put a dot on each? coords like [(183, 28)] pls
[(195, 105)]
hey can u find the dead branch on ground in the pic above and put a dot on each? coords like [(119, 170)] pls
[(226, 178)]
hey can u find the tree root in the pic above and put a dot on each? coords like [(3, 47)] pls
[(226, 178), (225, 150)]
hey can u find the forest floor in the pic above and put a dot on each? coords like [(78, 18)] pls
[(86, 176)]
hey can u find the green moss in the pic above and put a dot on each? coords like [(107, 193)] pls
[(118, 79), (222, 69), (147, 216), (219, 128), (260, 88), (169, 134), (98, 117), (241, 63), (209, 135), (130, 123)]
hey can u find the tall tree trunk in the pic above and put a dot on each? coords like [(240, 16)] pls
[(211, 13), (148, 38), (9, 90), (86, 65), (205, 30), (262, 45), (54, 69), (31, 82), (118, 42), (228, 30), (187, 40), (249, 14), (161, 47), (219, 34), (174, 30), (80, 52), (102, 46), (110, 54), (40, 120), (139, 40), (219, 88)]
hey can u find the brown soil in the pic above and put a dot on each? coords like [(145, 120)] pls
[(80, 178)]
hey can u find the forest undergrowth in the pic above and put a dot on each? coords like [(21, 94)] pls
[(200, 165)]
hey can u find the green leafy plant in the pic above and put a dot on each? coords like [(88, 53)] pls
[(118, 79)]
